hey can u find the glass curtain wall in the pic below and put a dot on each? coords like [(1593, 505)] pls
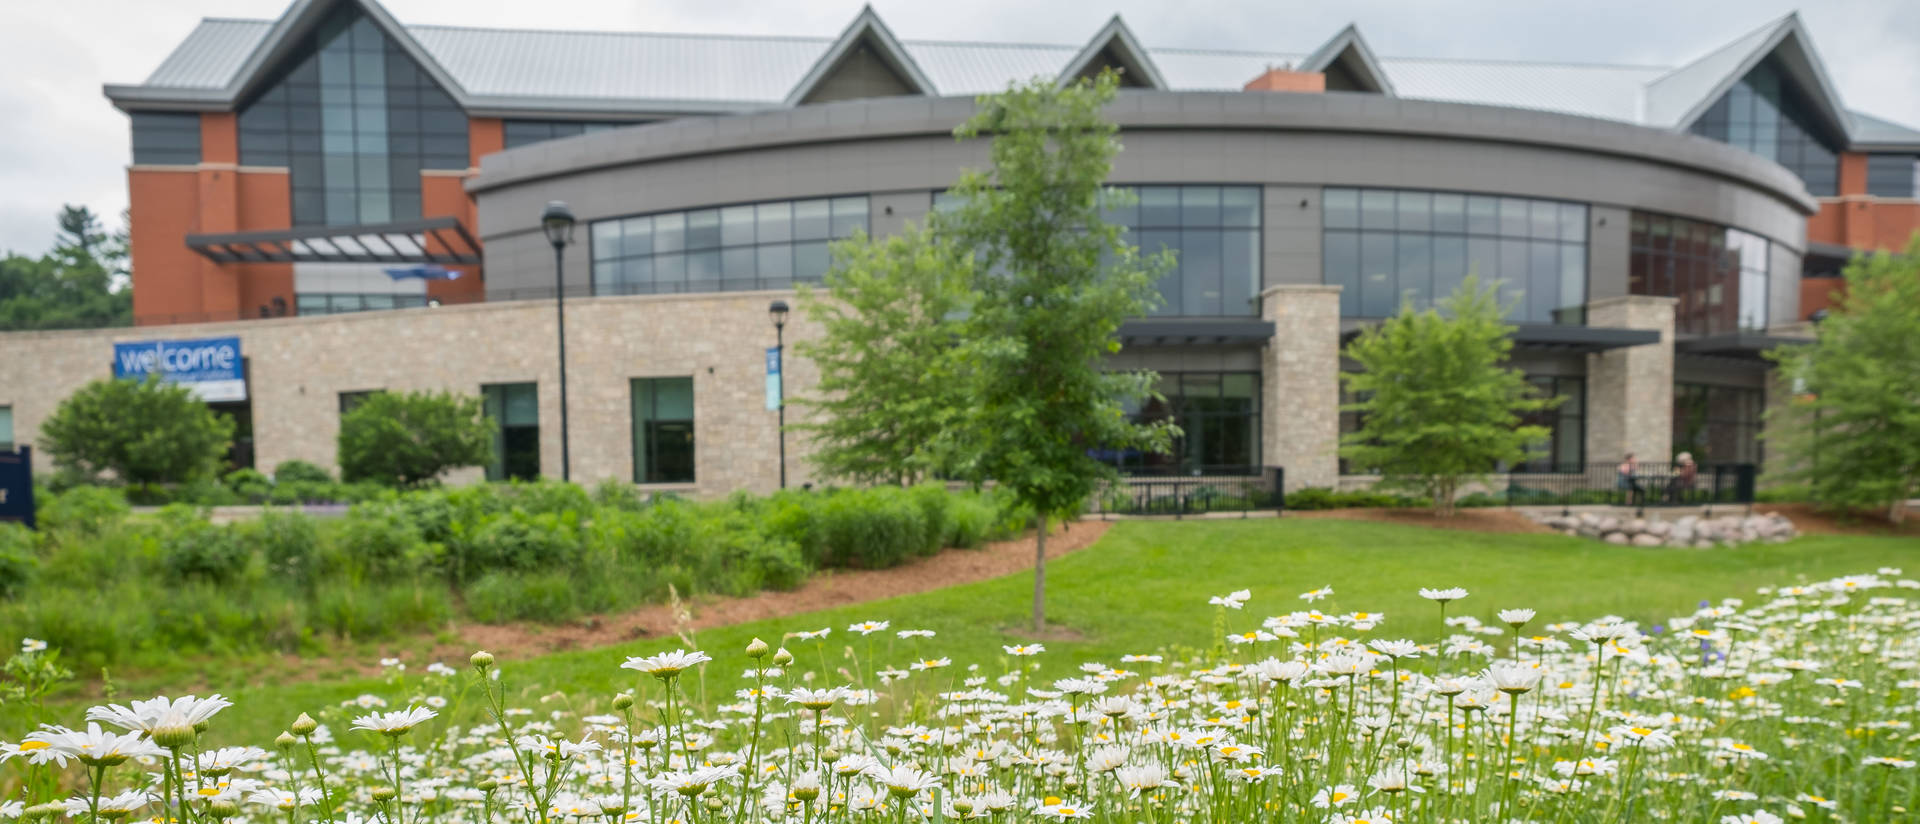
[(1214, 233), (1384, 247), (1765, 114), (1718, 275), (354, 121)]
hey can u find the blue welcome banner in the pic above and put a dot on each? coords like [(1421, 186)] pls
[(211, 367)]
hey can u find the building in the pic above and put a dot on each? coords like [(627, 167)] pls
[(1655, 227)]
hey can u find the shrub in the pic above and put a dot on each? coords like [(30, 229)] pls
[(552, 497), (144, 432), (83, 509), (18, 561), (408, 439), (297, 471), (870, 529), (250, 484), (520, 541), (545, 596), (379, 543), (194, 549), (1319, 497), (289, 543)]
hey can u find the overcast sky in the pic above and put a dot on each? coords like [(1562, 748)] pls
[(61, 142)]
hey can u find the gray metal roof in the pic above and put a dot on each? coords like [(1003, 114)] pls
[(590, 73)]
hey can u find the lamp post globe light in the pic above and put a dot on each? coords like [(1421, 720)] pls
[(557, 221), (777, 311)]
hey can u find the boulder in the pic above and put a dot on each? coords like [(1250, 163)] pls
[(1616, 538), (1647, 539)]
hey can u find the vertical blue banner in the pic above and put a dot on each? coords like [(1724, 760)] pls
[(773, 378)]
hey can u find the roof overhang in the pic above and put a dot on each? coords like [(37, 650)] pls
[(440, 240), (1790, 42), (1745, 344), (1557, 338), (1194, 331), (1115, 36), (281, 40)]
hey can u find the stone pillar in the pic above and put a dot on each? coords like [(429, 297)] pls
[(1300, 383), (1630, 390)]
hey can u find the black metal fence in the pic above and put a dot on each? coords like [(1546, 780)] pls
[(1244, 491), (1647, 484)]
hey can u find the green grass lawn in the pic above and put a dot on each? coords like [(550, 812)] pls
[(1144, 587)]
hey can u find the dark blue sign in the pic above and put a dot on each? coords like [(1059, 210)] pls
[(211, 367), (16, 486)]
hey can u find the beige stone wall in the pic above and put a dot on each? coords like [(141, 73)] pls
[(299, 367), (1630, 390), (1299, 376)]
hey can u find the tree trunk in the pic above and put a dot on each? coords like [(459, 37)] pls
[(1040, 577)]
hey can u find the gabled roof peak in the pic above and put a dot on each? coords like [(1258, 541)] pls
[(866, 26), (1350, 50), (1678, 98), (1117, 40)]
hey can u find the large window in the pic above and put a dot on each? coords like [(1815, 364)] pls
[(6, 428), (1719, 275), (1718, 424), (1893, 175), (516, 133), (1766, 115), (755, 246), (166, 138), (1214, 233), (1565, 449), (1383, 247), (515, 410), (662, 430), (1219, 418), (314, 303), (354, 121)]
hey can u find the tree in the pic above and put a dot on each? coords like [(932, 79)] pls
[(409, 438), (144, 432), (76, 285), (890, 322), (1853, 432), (1439, 406), (1056, 283)]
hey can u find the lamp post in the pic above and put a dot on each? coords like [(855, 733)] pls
[(557, 221), (778, 312)]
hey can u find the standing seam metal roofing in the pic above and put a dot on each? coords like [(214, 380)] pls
[(755, 71)]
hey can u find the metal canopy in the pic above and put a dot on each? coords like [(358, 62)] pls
[(1190, 331), (430, 240), (1579, 340), (1743, 344)]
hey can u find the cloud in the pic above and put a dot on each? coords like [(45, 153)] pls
[(62, 142)]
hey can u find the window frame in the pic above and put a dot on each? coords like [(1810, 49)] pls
[(705, 267), (647, 447)]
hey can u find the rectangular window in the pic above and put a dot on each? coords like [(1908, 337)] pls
[(1420, 246), (516, 133), (350, 401), (1565, 448), (166, 138), (732, 248), (515, 411), (663, 430), (1893, 175), (6, 429), (1219, 417)]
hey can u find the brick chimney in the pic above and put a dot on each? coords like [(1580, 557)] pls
[(1285, 79)]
